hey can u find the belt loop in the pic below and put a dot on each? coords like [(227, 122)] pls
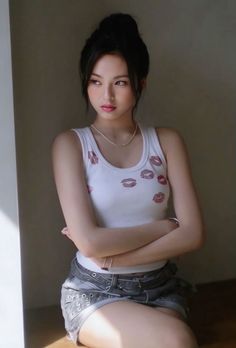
[(147, 296), (111, 283), (139, 284), (114, 280)]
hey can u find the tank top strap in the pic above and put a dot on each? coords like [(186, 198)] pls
[(86, 144), (155, 145)]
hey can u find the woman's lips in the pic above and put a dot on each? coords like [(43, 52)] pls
[(108, 108), (128, 182)]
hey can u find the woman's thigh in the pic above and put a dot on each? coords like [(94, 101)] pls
[(126, 324)]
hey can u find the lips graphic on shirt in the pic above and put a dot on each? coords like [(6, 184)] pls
[(128, 182), (89, 188), (155, 160), (147, 174), (158, 197), (92, 157), (161, 179)]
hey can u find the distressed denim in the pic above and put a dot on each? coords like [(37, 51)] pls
[(84, 291)]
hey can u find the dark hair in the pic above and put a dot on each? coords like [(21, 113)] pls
[(117, 33)]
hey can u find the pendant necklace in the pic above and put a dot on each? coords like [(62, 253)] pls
[(111, 142)]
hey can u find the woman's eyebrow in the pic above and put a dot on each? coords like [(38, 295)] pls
[(120, 76), (96, 75), (115, 77)]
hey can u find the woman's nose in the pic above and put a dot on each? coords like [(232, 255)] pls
[(108, 93)]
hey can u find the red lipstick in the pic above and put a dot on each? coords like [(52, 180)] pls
[(108, 108)]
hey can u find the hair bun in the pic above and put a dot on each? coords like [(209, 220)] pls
[(119, 22)]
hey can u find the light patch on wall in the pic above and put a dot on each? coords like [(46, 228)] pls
[(11, 312), (11, 304)]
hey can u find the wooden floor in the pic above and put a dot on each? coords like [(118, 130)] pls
[(213, 319)]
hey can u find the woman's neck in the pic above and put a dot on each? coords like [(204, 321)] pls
[(115, 126), (115, 131)]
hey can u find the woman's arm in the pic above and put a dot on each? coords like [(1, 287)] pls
[(190, 233), (90, 239)]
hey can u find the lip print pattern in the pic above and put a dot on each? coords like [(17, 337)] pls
[(129, 182), (90, 188), (161, 179), (147, 174), (158, 197), (92, 157), (155, 160)]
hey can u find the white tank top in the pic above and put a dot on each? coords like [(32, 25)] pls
[(124, 197)]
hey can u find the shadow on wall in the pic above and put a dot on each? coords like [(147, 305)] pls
[(191, 87)]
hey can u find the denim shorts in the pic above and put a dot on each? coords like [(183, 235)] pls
[(84, 291)]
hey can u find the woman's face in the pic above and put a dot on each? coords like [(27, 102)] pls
[(109, 88)]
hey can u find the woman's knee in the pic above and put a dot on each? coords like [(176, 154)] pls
[(180, 337)]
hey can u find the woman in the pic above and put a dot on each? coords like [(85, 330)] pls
[(113, 180)]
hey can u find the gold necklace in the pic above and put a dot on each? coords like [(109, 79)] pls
[(111, 142)]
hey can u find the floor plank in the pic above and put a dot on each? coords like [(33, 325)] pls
[(213, 319), (213, 314)]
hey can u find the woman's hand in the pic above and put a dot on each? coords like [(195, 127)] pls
[(167, 226), (99, 260)]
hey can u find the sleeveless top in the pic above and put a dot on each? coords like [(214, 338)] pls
[(124, 197)]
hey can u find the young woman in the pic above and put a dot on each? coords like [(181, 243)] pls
[(114, 179)]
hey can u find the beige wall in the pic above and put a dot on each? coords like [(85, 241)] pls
[(191, 87)]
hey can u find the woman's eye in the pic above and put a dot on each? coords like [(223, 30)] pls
[(95, 82), (121, 83)]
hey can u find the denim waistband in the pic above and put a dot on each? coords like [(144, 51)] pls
[(134, 282)]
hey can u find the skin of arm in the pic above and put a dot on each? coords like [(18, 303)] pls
[(93, 241), (189, 235)]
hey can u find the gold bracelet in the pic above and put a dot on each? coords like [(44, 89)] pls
[(174, 220)]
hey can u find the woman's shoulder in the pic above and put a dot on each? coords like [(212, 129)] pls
[(169, 138), (71, 136), (66, 142), (167, 132)]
